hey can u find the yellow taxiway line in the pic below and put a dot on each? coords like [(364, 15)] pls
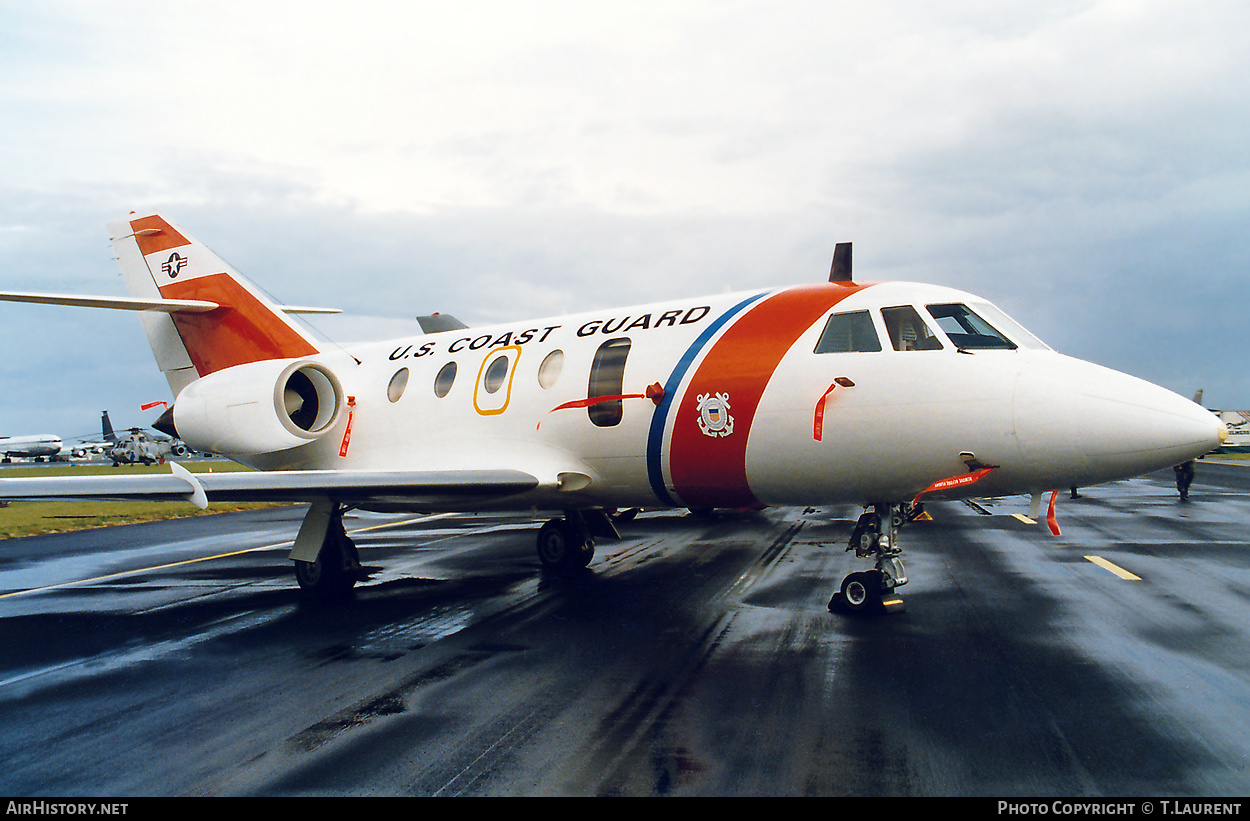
[(1111, 567), (1114, 568)]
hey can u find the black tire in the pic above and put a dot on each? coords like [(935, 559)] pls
[(561, 546), (313, 577), (334, 572), (861, 591)]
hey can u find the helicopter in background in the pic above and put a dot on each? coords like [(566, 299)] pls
[(136, 446)]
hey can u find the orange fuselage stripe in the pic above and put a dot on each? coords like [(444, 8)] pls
[(710, 471)]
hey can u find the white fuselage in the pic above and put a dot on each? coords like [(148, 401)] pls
[(742, 411)]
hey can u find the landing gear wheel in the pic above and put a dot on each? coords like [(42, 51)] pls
[(313, 577), (861, 591), (336, 569), (562, 546), (875, 536)]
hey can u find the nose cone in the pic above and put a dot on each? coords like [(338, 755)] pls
[(1081, 424)]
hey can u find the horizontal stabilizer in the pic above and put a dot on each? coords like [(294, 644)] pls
[(304, 309), (346, 487), (169, 306), (121, 303)]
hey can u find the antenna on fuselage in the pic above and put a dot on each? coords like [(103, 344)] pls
[(841, 269)]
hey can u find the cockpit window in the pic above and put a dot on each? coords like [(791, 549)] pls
[(966, 330), (1009, 326), (849, 332), (907, 330)]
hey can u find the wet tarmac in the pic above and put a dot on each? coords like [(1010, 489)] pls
[(694, 657)]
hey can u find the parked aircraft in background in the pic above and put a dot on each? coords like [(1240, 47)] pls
[(39, 447), (137, 446), (1238, 424), (100, 447), (132, 447), (884, 394)]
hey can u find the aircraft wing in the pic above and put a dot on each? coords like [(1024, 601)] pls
[(423, 488)]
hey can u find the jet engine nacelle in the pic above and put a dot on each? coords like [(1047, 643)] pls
[(260, 407)]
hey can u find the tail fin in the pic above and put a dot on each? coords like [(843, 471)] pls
[(106, 428), (160, 261)]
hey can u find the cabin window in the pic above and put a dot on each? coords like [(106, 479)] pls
[(442, 382), (607, 378), (549, 370), (908, 332), (398, 382), (966, 330), (496, 373), (494, 381), (847, 333)]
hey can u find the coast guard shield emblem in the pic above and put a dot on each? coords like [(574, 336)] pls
[(714, 418)]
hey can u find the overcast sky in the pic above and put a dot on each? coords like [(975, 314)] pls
[(1084, 164)]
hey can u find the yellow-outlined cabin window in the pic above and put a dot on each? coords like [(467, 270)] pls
[(494, 381)]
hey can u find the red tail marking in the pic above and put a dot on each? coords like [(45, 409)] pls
[(154, 234), (242, 330)]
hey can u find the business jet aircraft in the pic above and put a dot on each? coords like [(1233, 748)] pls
[(39, 446), (885, 394)]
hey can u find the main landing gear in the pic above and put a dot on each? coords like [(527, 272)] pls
[(569, 543), (876, 537), (327, 565)]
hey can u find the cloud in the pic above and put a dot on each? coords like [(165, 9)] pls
[(1083, 164)]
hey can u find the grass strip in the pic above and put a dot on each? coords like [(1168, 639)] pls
[(19, 519)]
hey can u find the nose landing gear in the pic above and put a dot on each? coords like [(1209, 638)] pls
[(876, 537)]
